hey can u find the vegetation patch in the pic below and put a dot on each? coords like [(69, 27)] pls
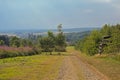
[(6, 51), (103, 41)]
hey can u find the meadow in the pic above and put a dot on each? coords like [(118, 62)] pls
[(36, 67), (46, 67)]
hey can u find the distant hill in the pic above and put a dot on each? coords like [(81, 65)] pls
[(73, 37), (72, 34), (45, 30), (79, 29)]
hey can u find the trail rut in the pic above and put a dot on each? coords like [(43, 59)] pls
[(73, 68)]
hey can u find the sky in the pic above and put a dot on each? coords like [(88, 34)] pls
[(47, 14)]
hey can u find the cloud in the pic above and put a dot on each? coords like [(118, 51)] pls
[(88, 11), (36, 13), (116, 4), (102, 1)]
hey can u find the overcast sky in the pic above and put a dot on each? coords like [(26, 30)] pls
[(42, 14)]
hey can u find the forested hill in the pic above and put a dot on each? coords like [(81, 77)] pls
[(71, 30), (73, 37)]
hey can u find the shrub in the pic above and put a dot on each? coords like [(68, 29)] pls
[(6, 51)]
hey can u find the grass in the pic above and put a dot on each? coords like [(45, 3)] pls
[(37, 67), (108, 65)]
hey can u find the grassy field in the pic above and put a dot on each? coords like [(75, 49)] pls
[(46, 67), (37, 67)]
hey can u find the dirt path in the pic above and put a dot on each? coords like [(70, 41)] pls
[(67, 71), (73, 68)]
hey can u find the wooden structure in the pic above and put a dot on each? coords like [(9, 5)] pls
[(103, 43)]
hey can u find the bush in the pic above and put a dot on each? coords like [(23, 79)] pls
[(4, 55)]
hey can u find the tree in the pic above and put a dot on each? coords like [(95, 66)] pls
[(51, 39), (23, 42), (5, 38), (60, 42), (89, 45), (107, 39), (59, 28), (114, 41), (106, 30), (2, 42), (15, 41), (48, 43)]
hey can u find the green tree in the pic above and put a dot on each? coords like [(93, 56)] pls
[(2, 42), (51, 38), (15, 42), (90, 44), (23, 42), (108, 36), (5, 38), (114, 41), (60, 42), (59, 28), (106, 30), (46, 44), (30, 43)]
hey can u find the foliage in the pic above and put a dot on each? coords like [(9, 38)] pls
[(73, 37), (60, 41), (90, 44), (5, 39), (15, 41), (14, 46), (2, 42), (46, 44), (53, 42)]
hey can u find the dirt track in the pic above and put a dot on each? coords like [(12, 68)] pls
[(73, 68)]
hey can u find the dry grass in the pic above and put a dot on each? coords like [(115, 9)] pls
[(108, 65)]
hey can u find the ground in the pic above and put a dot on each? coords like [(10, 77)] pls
[(73, 68), (67, 66)]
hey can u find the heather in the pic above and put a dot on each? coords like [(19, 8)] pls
[(6, 51)]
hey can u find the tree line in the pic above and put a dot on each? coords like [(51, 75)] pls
[(51, 42), (97, 39)]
